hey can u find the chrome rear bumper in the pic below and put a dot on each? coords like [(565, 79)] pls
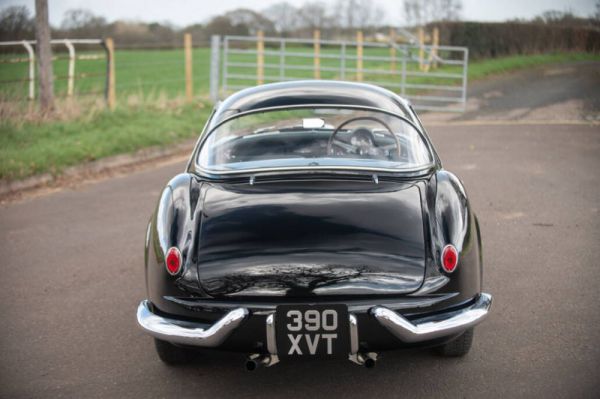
[(431, 327), (187, 333), (409, 331)]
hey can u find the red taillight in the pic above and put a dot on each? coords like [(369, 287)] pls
[(449, 258), (173, 261)]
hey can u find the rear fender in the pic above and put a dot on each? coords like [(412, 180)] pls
[(453, 222), (173, 224)]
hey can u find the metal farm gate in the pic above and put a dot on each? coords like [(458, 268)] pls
[(431, 77)]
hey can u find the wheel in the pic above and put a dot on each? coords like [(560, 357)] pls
[(457, 347), (171, 354)]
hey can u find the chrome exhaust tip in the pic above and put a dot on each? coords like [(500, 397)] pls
[(257, 360), (368, 359), (370, 362), (251, 365)]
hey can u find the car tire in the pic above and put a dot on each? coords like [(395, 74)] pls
[(171, 354), (457, 347)]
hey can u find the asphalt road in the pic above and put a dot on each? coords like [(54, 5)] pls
[(556, 92), (72, 276)]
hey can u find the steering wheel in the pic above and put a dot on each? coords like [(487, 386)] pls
[(360, 118)]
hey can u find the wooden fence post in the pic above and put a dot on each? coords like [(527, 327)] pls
[(111, 95), (317, 50), (359, 56), (421, 49), (436, 43), (260, 58), (187, 45), (392, 49)]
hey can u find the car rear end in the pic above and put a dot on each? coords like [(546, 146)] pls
[(319, 231)]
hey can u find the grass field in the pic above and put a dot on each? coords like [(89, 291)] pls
[(34, 148), (147, 83), (152, 73), (138, 72)]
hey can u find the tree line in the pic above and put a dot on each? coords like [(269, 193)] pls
[(338, 20)]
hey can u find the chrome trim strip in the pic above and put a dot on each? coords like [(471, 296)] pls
[(212, 172), (271, 341), (433, 326), (190, 161), (353, 335), (188, 333)]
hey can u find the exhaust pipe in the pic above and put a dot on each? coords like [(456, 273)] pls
[(251, 364), (368, 359), (257, 360)]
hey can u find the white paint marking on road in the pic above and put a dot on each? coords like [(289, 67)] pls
[(511, 215)]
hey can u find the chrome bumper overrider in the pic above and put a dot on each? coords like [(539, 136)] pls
[(186, 333), (437, 326), (409, 331)]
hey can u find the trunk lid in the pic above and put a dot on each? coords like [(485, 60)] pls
[(303, 239)]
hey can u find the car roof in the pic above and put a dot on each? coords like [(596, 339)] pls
[(312, 92)]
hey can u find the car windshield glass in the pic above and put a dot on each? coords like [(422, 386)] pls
[(314, 138)]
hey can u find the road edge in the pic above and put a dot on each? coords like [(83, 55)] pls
[(122, 163)]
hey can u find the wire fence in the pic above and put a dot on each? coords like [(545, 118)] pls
[(142, 71), (432, 77), (76, 63), (159, 70)]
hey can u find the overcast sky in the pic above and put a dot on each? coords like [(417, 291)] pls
[(186, 12)]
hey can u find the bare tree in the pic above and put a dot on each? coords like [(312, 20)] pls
[(44, 55), (449, 10), (413, 13), (252, 19), (357, 14), (221, 25), (422, 12), (283, 15), (314, 15), (15, 23), (344, 16), (556, 17), (83, 23), (80, 18)]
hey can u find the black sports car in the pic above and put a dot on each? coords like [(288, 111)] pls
[(314, 219)]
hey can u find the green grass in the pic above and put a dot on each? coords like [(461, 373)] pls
[(34, 148), (484, 68), (138, 72), (154, 73), (143, 79)]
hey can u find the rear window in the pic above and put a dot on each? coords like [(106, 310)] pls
[(314, 138)]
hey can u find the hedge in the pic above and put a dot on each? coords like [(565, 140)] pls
[(489, 40)]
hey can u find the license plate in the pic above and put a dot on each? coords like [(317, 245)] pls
[(312, 330)]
